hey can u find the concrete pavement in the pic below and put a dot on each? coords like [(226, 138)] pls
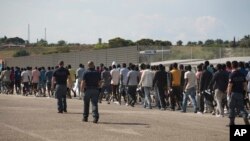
[(34, 119)]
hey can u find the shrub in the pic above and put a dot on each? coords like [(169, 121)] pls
[(20, 53)]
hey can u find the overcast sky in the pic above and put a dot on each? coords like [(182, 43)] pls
[(84, 21)]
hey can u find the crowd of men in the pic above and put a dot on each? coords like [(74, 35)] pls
[(219, 89)]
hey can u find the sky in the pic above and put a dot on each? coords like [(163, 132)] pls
[(84, 21)]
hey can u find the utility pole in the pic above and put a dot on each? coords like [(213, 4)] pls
[(45, 38), (28, 33)]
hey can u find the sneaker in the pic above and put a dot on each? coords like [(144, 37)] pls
[(85, 119), (65, 111), (60, 112), (95, 120), (199, 113), (178, 108), (219, 116)]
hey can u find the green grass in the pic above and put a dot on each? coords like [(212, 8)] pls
[(9, 52)]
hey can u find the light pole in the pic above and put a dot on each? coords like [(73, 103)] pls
[(162, 57), (106, 59)]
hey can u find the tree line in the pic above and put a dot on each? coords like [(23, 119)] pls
[(120, 42)]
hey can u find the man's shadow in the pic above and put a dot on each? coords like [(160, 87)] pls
[(124, 123)]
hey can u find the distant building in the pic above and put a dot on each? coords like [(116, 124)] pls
[(11, 45)]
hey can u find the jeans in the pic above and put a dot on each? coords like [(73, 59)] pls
[(175, 96), (237, 102), (208, 100), (189, 92), (61, 91), (161, 97), (91, 94), (219, 96), (115, 94), (147, 99), (123, 92), (132, 95), (105, 91)]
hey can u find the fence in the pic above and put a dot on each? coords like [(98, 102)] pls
[(184, 52), (129, 55), (105, 56)]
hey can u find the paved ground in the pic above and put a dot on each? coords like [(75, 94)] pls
[(35, 119)]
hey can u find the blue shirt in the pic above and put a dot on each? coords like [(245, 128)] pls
[(237, 79), (91, 78)]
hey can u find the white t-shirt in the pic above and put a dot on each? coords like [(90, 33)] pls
[(147, 78), (115, 74), (191, 79), (25, 76)]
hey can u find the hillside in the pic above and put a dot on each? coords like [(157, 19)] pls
[(177, 52), (9, 52)]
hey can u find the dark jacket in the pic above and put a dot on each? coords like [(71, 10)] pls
[(160, 79), (206, 77), (220, 80)]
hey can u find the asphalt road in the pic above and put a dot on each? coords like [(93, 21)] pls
[(34, 119)]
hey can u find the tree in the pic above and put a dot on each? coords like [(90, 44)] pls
[(42, 43), (200, 43), (179, 43), (189, 43), (162, 43), (130, 43), (219, 41), (119, 42), (145, 42), (3, 40), (209, 42), (61, 43), (226, 42), (15, 40)]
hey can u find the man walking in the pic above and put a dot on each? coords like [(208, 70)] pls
[(237, 83), (132, 82), (123, 75), (115, 75), (205, 78), (190, 89), (90, 85), (161, 82), (49, 75), (147, 82), (176, 87), (220, 82), (60, 77), (79, 75), (106, 86)]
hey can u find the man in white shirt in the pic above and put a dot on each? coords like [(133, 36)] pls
[(115, 78), (147, 82), (79, 75), (190, 89), (25, 80)]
